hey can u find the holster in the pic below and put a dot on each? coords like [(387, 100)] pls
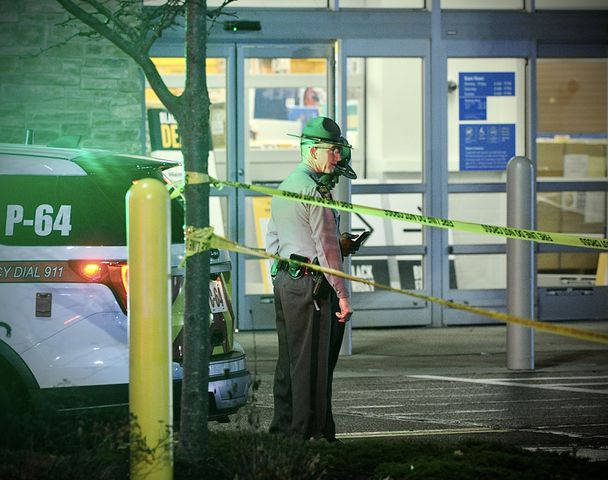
[(275, 268), (296, 270), (320, 289)]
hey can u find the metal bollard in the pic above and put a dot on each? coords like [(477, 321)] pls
[(150, 382), (521, 285)]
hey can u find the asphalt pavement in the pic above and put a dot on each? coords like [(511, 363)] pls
[(452, 383)]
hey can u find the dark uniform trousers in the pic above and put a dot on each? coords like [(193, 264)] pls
[(301, 377), (335, 344)]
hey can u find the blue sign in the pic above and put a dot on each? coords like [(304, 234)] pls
[(475, 87), (487, 146)]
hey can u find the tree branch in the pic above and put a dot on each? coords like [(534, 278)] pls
[(131, 47), (167, 13), (90, 20), (216, 12), (173, 103), (90, 34), (111, 16)]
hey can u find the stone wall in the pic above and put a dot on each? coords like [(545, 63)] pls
[(81, 87)]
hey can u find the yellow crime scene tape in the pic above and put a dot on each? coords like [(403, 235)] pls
[(437, 222), (201, 239)]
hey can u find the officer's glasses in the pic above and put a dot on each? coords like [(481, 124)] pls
[(333, 149)]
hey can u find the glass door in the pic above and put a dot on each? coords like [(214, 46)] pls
[(279, 88), (384, 101), (164, 136), (487, 108), (259, 94)]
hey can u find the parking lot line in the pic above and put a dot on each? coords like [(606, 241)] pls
[(489, 381), (422, 433)]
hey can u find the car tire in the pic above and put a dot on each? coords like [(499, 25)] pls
[(12, 398)]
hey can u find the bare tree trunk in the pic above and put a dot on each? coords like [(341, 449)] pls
[(194, 132), (122, 23)]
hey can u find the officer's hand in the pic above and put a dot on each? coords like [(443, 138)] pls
[(345, 312), (347, 245)]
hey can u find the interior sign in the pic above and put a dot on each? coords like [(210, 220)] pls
[(475, 88), (163, 130), (486, 146)]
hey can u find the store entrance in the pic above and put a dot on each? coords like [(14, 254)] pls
[(279, 88)]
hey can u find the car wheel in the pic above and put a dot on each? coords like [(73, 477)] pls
[(12, 400)]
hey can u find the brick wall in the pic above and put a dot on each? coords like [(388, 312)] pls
[(85, 87)]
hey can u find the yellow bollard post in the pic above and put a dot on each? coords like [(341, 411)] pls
[(149, 299)]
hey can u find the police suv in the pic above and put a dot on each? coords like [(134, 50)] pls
[(63, 284)]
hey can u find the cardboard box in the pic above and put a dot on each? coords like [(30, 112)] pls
[(548, 212), (548, 215), (568, 212), (547, 262), (597, 167), (591, 149), (574, 222), (550, 159), (578, 262)]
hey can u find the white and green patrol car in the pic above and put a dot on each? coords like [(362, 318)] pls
[(63, 270)]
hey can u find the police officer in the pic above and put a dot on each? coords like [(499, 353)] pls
[(348, 246), (302, 298)]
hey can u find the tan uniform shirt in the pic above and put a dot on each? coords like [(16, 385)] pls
[(304, 229)]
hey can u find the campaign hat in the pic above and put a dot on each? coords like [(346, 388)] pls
[(320, 129)]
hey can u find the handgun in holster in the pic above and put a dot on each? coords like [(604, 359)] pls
[(320, 289), (294, 269)]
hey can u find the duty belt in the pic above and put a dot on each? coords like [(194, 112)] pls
[(295, 270)]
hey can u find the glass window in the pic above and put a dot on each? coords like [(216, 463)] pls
[(163, 135), (385, 118), (164, 141), (571, 5), (272, 3), (255, 3), (581, 213), (486, 117), (571, 147), (258, 279), (282, 94), (483, 4), (382, 3), (478, 272), (385, 126), (386, 231), (567, 268), (257, 270), (572, 110), (402, 271), (488, 208)]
